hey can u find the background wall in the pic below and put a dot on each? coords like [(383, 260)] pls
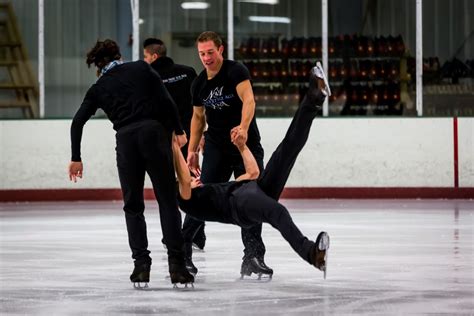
[(343, 153), (72, 27)]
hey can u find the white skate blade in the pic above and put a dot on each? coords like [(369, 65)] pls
[(139, 286), (264, 278), (319, 72), (323, 245), (185, 287)]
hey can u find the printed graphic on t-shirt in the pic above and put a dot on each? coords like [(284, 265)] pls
[(175, 79), (216, 100)]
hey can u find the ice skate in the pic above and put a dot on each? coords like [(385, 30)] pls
[(319, 72), (180, 274), (190, 266), (257, 266), (141, 276), (188, 259), (198, 245), (320, 254), (199, 240)]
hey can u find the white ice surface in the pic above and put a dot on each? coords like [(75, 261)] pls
[(386, 257)]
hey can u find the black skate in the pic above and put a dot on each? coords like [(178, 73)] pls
[(320, 255), (180, 274), (199, 240), (188, 259), (190, 266), (141, 274), (255, 265), (198, 245)]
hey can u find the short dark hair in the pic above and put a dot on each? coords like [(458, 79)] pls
[(209, 36), (103, 53), (155, 46)]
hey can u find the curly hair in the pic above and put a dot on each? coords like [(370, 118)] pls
[(103, 53)]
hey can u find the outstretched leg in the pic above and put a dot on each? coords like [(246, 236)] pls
[(277, 171), (254, 206)]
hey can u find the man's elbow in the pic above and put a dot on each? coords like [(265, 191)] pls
[(253, 175)]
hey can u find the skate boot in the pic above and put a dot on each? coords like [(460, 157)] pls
[(199, 240), (190, 266), (141, 274), (180, 274), (320, 252), (255, 265), (188, 259)]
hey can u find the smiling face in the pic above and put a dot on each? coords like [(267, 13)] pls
[(210, 55)]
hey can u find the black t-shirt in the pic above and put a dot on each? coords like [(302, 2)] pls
[(222, 103), (212, 202)]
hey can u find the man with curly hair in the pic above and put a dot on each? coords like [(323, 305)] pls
[(145, 118)]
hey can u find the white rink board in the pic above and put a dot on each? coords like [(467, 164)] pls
[(341, 152)]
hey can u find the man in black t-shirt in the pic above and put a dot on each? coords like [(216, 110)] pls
[(253, 198), (223, 98)]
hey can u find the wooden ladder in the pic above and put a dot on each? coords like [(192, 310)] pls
[(21, 90)]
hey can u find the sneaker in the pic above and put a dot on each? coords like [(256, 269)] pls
[(319, 72), (321, 252)]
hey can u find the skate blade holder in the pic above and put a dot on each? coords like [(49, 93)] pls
[(191, 287), (261, 277), (140, 285)]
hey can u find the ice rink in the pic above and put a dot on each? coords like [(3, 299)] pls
[(386, 258)]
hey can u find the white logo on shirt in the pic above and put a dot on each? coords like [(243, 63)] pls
[(175, 79), (215, 99)]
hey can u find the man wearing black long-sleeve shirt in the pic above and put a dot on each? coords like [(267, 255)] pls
[(144, 116), (177, 80)]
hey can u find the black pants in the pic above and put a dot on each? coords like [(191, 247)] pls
[(218, 166), (146, 147), (257, 201)]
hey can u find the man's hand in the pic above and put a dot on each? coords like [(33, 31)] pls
[(75, 170), (193, 163), (238, 136)]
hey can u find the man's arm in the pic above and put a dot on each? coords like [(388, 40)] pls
[(245, 93), (198, 123), (86, 110), (250, 164), (182, 171)]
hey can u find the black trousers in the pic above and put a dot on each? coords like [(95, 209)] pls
[(145, 147), (257, 201), (218, 166)]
